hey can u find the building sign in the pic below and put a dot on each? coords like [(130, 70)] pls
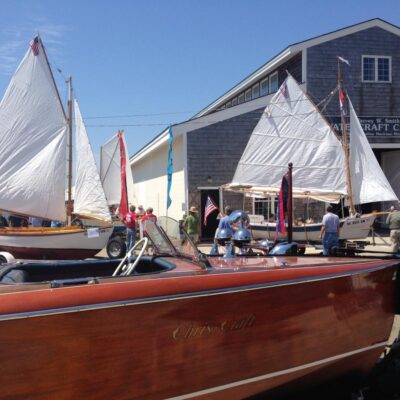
[(374, 126)]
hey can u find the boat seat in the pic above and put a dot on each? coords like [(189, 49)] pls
[(47, 271), (15, 276)]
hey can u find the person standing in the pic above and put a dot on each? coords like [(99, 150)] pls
[(224, 221), (149, 216), (393, 221), (141, 211), (129, 220), (330, 231), (192, 224)]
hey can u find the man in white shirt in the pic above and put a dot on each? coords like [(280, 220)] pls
[(330, 231)]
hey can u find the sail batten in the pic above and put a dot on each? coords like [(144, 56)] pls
[(90, 200), (32, 141)]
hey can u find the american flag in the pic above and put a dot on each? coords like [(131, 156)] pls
[(209, 208), (34, 43), (284, 90)]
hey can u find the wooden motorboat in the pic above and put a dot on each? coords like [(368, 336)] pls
[(179, 325)]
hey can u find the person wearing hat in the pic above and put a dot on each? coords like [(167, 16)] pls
[(192, 224)]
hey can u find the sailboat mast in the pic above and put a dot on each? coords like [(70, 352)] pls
[(69, 205), (345, 143), (52, 77)]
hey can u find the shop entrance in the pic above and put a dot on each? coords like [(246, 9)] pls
[(208, 231)]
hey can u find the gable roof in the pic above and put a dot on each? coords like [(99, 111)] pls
[(292, 50)]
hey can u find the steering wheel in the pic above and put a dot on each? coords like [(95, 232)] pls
[(128, 268)]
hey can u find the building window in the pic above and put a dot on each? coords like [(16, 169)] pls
[(376, 69), (265, 207), (228, 104), (273, 83), (234, 101), (256, 91), (247, 96), (241, 98), (264, 87)]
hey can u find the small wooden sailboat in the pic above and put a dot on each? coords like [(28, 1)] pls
[(33, 138), (179, 325), (325, 169)]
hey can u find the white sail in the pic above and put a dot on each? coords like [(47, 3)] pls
[(369, 183), (110, 171), (291, 129), (90, 200), (32, 141)]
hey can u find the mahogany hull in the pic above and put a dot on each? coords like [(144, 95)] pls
[(214, 343)]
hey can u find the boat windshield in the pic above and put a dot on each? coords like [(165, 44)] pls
[(169, 237)]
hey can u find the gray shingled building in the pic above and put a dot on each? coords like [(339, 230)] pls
[(209, 146)]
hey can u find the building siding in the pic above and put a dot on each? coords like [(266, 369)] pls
[(150, 180), (214, 151), (369, 99)]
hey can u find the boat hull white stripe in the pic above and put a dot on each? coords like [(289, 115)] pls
[(277, 373)]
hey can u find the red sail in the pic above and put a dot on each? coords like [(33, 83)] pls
[(123, 204)]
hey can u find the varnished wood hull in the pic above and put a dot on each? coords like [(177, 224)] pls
[(201, 336), (53, 243)]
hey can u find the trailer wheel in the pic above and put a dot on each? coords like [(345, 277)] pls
[(301, 251), (116, 247)]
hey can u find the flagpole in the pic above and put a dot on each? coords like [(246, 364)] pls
[(345, 144), (69, 206), (290, 204)]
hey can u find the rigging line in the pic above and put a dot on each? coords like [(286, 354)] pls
[(139, 115), (236, 124), (184, 112)]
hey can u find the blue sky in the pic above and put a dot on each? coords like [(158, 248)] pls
[(162, 61)]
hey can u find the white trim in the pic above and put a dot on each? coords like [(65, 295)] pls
[(292, 50), (185, 171), (282, 57), (278, 373), (153, 145), (201, 122), (221, 199), (376, 58), (207, 187), (304, 67)]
